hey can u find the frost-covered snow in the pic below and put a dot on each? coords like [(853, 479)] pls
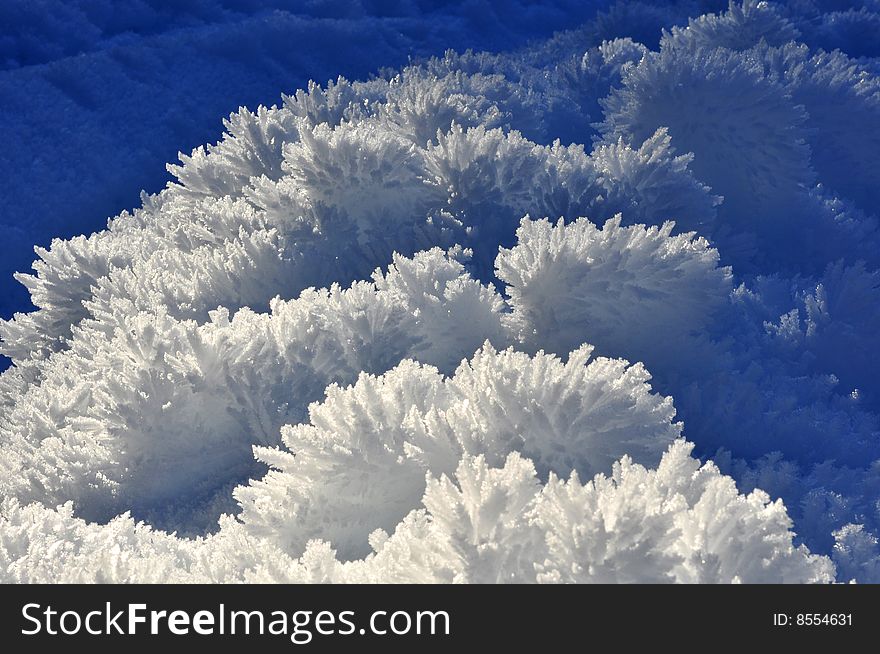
[(605, 308), (98, 95)]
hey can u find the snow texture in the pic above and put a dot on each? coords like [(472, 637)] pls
[(603, 308)]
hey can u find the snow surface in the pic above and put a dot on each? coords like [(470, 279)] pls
[(602, 308)]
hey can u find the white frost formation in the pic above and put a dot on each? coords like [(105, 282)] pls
[(210, 391)]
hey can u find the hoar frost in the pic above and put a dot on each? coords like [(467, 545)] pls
[(401, 330)]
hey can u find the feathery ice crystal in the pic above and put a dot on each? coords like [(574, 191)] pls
[(353, 341)]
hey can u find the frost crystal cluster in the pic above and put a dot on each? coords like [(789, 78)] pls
[(401, 330)]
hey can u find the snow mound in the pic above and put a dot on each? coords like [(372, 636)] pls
[(353, 340)]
